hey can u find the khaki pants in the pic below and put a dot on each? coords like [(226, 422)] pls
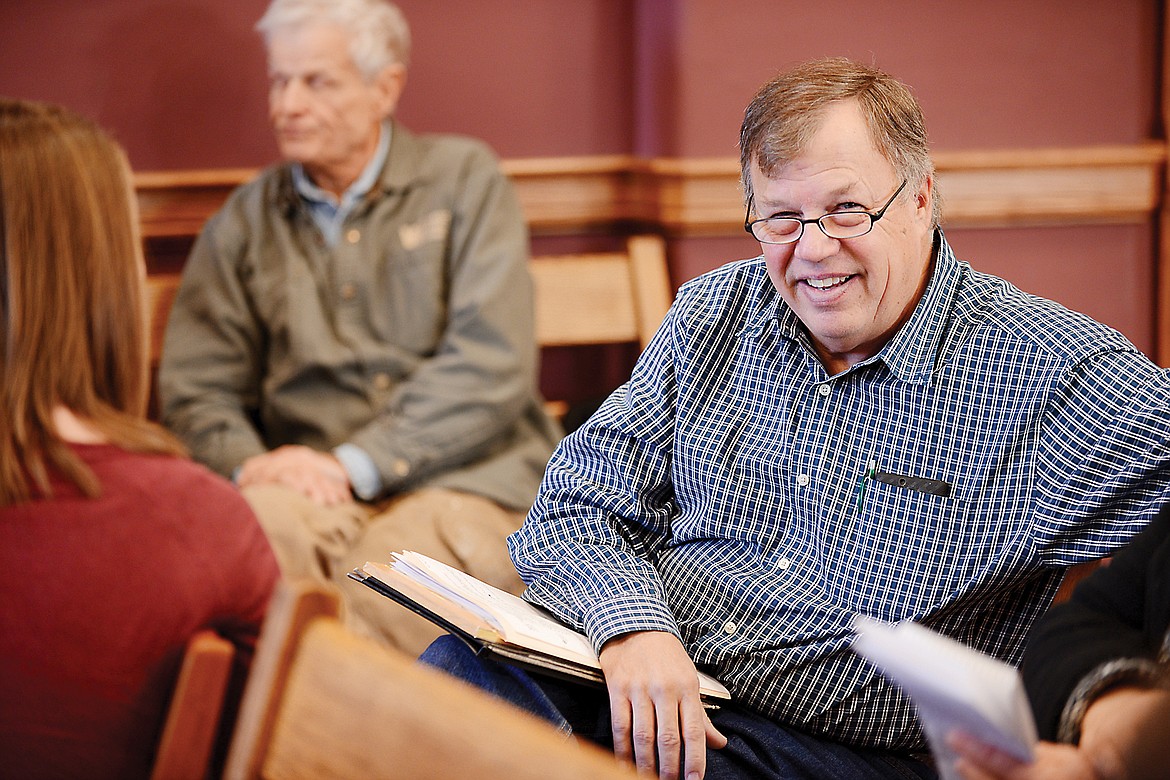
[(324, 543)]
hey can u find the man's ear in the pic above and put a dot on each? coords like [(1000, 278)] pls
[(924, 198), (390, 83)]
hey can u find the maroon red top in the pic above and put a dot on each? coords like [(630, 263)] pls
[(98, 598)]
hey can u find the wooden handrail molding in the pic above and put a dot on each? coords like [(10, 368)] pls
[(681, 197), (177, 203)]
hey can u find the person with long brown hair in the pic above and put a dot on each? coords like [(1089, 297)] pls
[(114, 547)]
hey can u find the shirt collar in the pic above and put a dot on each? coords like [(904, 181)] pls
[(912, 353), (305, 187)]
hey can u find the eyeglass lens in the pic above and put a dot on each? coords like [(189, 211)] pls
[(781, 230)]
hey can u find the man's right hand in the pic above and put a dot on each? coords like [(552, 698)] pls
[(654, 703)]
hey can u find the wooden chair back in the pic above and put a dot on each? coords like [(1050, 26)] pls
[(602, 298), (160, 296), (194, 714), (322, 702)]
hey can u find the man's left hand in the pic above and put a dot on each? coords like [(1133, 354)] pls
[(317, 475)]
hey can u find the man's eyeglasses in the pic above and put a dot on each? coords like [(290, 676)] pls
[(838, 224)]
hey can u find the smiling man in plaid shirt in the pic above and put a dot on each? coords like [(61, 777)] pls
[(855, 422)]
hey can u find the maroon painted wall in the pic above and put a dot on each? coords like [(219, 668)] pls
[(989, 74), (181, 83)]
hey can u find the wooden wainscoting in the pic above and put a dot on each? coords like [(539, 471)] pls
[(701, 197), (682, 197)]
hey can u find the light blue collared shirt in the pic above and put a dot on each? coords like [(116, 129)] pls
[(329, 214)]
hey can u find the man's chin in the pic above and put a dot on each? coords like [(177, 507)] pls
[(836, 334), (296, 151)]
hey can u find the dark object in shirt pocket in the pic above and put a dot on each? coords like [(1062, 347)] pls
[(934, 487)]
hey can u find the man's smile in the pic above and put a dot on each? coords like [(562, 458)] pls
[(827, 282)]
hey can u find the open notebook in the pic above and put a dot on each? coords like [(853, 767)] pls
[(494, 621)]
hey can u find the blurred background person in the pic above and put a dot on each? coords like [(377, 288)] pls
[(114, 548), (353, 341), (1096, 672)]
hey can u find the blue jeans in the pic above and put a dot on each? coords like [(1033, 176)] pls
[(756, 746)]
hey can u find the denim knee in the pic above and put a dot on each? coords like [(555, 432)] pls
[(504, 681)]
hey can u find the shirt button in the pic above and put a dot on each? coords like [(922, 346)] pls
[(784, 563), (823, 390), (353, 236), (348, 291), (729, 627), (802, 480), (401, 467)]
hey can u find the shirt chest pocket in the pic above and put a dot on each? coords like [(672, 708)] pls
[(408, 298), (914, 543), (917, 504)]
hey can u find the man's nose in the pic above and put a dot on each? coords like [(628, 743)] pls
[(289, 98), (813, 245)]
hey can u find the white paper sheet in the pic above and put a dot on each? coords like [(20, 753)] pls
[(953, 686)]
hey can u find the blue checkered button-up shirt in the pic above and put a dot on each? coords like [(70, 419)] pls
[(736, 495)]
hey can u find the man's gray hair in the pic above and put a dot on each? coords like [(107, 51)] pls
[(787, 112), (378, 33)]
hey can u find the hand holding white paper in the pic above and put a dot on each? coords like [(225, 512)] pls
[(953, 686)]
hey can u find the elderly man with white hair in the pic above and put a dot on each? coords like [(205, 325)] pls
[(353, 340)]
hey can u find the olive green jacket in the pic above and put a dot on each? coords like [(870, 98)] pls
[(411, 339)]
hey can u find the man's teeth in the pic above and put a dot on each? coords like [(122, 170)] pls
[(824, 284)]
